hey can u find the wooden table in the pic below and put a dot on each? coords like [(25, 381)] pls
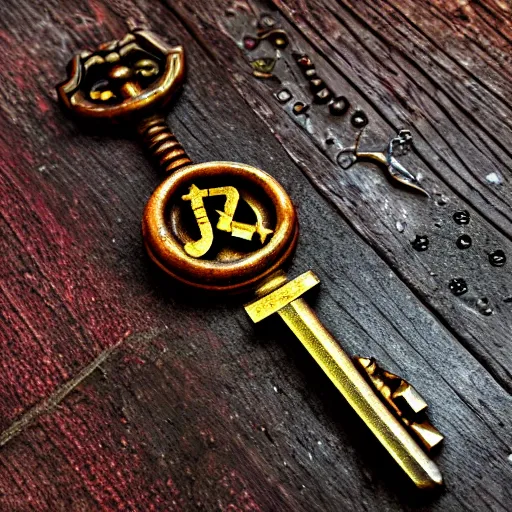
[(118, 393)]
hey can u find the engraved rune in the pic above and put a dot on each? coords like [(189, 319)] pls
[(225, 223)]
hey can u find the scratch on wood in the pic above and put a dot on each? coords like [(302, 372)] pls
[(55, 398)]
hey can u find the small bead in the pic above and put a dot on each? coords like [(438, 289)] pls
[(283, 95), (359, 119), (339, 106), (267, 21), (300, 108), (281, 42), (304, 62), (317, 84), (250, 43), (310, 73), (323, 96)]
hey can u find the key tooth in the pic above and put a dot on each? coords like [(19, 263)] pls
[(162, 144)]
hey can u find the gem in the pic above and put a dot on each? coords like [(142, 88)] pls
[(310, 73), (323, 96), (262, 68), (283, 95), (281, 42), (250, 43), (304, 62), (316, 84), (300, 108), (267, 21)]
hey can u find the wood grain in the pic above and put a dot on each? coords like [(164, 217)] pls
[(193, 408), (392, 98)]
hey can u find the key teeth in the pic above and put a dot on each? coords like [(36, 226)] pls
[(403, 399)]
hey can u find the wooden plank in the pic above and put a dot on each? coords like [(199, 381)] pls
[(196, 409), (65, 236), (399, 80), (216, 419)]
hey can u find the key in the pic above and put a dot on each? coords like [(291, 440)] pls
[(230, 228)]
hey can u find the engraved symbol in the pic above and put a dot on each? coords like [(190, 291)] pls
[(225, 223)]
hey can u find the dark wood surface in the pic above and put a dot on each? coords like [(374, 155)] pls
[(118, 393)]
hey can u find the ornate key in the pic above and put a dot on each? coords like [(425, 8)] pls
[(229, 227)]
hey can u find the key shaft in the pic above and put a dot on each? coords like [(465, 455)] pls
[(338, 366)]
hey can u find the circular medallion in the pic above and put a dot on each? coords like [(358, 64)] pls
[(220, 226)]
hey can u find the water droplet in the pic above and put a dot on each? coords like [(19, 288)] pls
[(464, 242), (284, 95), (494, 178), (497, 258), (420, 243), (483, 306), (442, 200), (359, 119), (339, 106), (300, 108), (462, 217), (458, 286), (346, 158), (400, 226)]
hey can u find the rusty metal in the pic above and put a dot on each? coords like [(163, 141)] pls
[(256, 230), (162, 144)]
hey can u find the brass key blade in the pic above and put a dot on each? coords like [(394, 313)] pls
[(338, 366)]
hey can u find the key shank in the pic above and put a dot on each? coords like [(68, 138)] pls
[(300, 318)]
